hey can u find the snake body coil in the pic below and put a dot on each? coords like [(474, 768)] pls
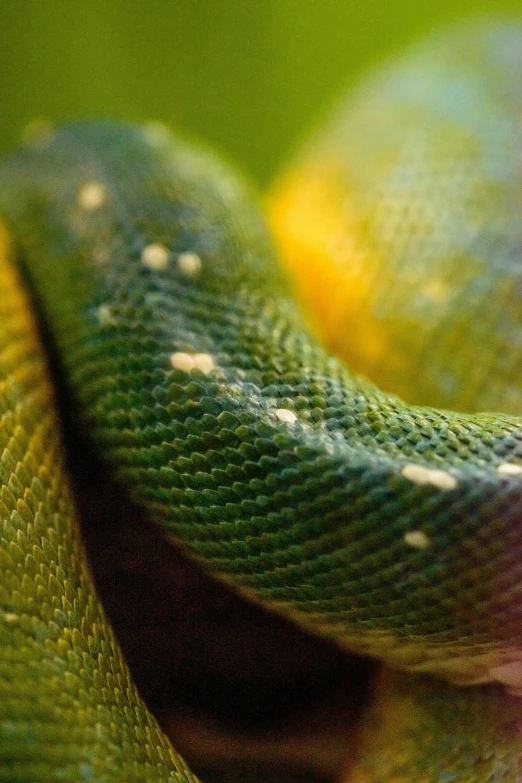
[(395, 530)]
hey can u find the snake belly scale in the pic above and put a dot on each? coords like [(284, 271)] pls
[(393, 529)]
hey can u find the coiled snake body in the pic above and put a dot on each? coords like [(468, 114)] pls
[(393, 529)]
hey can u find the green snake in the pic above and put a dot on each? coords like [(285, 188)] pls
[(392, 529)]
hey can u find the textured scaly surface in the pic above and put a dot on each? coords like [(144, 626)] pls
[(400, 221), (267, 458), (68, 709), (393, 529)]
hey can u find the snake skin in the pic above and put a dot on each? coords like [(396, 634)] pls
[(393, 529), (400, 222), (68, 709)]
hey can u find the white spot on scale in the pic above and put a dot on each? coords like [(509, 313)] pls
[(189, 264), (188, 362), (418, 474), (417, 539), (182, 361), (155, 256), (509, 469), (283, 414), (91, 196), (204, 362), (10, 617)]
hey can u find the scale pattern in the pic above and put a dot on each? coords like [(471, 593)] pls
[(313, 513), (410, 237), (394, 529), (419, 729), (68, 710)]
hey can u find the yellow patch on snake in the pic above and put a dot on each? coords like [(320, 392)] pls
[(418, 474), (331, 260), (436, 289), (91, 196), (15, 309)]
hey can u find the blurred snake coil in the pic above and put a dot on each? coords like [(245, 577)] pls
[(391, 528)]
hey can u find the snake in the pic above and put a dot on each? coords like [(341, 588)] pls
[(301, 460)]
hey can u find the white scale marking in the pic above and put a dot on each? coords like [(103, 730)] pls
[(418, 474), (189, 264), (283, 414), (196, 361), (91, 196), (155, 256), (509, 469), (417, 539)]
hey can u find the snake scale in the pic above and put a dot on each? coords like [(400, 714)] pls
[(393, 529)]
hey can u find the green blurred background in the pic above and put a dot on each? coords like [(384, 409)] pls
[(246, 75)]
